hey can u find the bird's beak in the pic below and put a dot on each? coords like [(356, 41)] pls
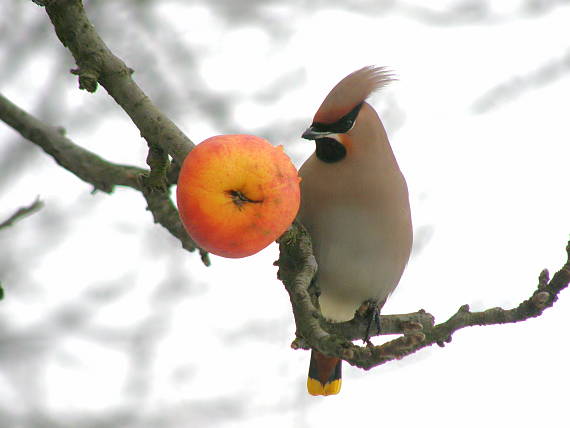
[(311, 134)]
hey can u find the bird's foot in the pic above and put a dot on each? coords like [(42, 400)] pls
[(370, 309)]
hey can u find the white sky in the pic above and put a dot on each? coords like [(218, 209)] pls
[(493, 186)]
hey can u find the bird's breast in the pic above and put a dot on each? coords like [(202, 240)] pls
[(361, 234)]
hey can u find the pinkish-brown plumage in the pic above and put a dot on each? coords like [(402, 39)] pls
[(355, 206), (350, 91)]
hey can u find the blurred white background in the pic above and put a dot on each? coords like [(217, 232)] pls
[(108, 322)]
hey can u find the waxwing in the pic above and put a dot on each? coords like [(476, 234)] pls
[(354, 203)]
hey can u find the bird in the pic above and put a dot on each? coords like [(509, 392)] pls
[(355, 207)]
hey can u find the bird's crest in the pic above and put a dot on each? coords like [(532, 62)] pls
[(351, 91)]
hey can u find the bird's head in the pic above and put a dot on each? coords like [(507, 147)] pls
[(344, 117)]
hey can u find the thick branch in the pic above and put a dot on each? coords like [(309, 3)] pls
[(297, 267), (95, 170), (96, 63), (21, 213), (84, 164)]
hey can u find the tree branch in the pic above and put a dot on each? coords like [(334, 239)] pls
[(97, 64), (93, 169), (84, 164), (158, 162), (21, 213), (297, 266), (165, 213)]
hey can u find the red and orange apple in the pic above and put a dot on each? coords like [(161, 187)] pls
[(236, 194)]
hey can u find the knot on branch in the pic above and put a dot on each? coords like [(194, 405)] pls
[(540, 299), (88, 78), (441, 343), (156, 180)]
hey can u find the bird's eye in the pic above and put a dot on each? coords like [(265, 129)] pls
[(346, 125)]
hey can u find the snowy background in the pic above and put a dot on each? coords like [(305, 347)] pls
[(107, 322)]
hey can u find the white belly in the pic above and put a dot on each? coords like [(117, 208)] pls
[(358, 260)]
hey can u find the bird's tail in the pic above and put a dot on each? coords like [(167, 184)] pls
[(325, 374)]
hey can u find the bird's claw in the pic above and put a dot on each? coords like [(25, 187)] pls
[(371, 310)]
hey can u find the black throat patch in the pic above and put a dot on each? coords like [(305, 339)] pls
[(329, 150)]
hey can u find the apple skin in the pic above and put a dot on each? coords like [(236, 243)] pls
[(236, 194)]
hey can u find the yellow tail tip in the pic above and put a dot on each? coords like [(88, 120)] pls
[(314, 387)]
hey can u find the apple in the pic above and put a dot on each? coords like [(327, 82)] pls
[(236, 194)]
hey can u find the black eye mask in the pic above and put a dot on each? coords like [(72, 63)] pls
[(341, 126)]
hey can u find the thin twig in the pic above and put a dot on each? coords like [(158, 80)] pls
[(22, 213)]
